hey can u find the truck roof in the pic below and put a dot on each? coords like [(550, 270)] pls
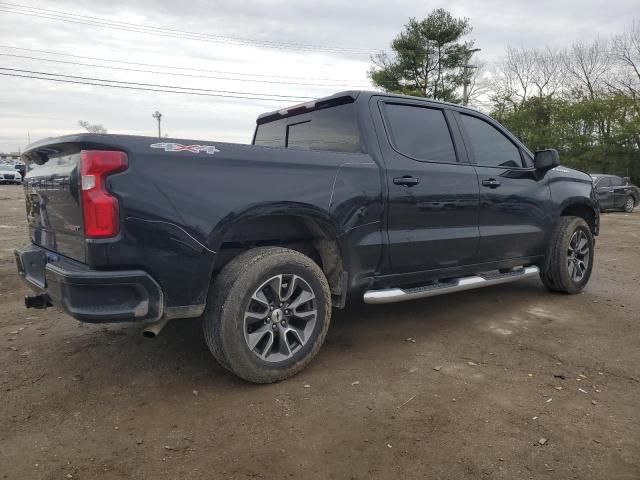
[(340, 98)]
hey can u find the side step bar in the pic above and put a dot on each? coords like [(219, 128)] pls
[(466, 283)]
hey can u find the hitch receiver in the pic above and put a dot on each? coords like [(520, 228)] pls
[(39, 301)]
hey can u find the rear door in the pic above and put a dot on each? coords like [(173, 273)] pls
[(619, 190), (432, 216), (514, 198), (54, 214)]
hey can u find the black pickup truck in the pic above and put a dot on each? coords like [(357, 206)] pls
[(362, 195)]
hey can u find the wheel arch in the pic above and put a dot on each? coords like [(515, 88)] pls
[(307, 230), (584, 211)]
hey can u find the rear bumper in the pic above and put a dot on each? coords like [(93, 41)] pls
[(90, 295)]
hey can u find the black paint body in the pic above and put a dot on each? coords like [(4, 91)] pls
[(180, 210)]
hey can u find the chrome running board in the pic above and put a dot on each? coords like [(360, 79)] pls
[(465, 283)]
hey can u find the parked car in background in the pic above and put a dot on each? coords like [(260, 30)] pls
[(20, 167), (615, 193), (8, 174)]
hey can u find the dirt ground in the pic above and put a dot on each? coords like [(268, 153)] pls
[(509, 382)]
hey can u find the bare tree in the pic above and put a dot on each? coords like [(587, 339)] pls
[(549, 72), (480, 86), (92, 128), (626, 50), (587, 65), (521, 64), (512, 78)]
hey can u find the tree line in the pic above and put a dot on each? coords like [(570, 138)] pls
[(583, 100)]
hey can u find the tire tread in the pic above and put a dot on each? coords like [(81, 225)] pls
[(226, 293), (553, 275)]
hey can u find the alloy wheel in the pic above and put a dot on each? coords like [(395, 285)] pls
[(629, 205), (280, 318), (578, 256)]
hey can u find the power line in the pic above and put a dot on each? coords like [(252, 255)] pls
[(173, 67), (85, 17), (128, 87), (166, 32), (75, 77), (129, 69)]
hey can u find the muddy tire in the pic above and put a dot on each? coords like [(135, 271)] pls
[(267, 314), (569, 261)]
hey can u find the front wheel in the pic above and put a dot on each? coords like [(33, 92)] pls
[(267, 314), (569, 260), (629, 204)]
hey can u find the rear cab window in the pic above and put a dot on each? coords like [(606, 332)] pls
[(270, 135), (332, 129)]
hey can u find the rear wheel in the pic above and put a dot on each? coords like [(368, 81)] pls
[(267, 314), (570, 258), (629, 204)]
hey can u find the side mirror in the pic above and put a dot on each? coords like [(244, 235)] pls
[(546, 159)]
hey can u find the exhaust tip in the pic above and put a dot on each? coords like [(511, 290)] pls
[(152, 330), (149, 334)]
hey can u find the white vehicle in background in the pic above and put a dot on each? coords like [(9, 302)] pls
[(9, 174)]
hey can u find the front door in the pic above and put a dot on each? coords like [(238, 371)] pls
[(432, 216), (514, 197), (605, 193)]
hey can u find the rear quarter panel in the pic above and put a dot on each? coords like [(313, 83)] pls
[(178, 206)]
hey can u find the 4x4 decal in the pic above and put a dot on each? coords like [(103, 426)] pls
[(177, 147)]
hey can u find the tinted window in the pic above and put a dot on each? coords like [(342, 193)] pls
[(420, 133), (332, 129), (270, 134), (489, 146), (604, 182), (616, 181)]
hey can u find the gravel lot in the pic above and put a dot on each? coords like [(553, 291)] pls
[(508, 382)]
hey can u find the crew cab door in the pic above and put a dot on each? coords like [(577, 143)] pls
[(432, 215), (514, 213)]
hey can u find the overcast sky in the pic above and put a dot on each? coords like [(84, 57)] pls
[(293, 42)]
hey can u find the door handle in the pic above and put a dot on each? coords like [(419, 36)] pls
[(407, 181), (491, 183)]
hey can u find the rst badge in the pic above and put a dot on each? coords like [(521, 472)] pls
[(177, 147)]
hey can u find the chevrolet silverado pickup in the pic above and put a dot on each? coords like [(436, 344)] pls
[(358, 196)]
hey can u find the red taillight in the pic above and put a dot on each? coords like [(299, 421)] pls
[(100, 209)]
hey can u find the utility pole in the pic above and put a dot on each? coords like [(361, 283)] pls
[(465, 76), (158, 116)]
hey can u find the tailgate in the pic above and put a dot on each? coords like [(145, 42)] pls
[(54, 212)]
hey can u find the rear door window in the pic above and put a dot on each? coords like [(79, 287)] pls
[(489, 146), (419, 132), (616, 182)]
